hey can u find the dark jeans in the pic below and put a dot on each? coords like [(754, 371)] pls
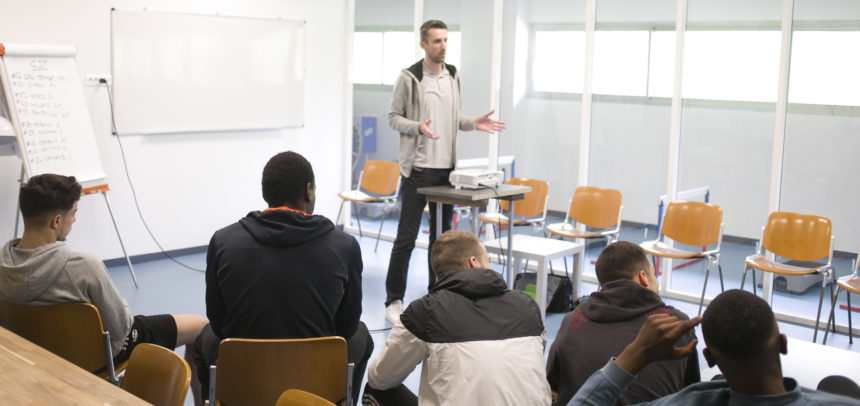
[(359, 348), (411, 210), (397, 396)]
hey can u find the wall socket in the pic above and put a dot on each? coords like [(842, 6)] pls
[(93, 80)]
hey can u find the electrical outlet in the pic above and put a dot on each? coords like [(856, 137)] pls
[(93, 80)]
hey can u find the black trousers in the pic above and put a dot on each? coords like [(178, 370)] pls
[(359, 348), (411, 209)]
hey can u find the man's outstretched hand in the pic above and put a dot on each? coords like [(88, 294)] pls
[(656, 342), (424, 128), (485, 123)]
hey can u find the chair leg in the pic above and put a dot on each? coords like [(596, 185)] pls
[(339, 212), (820, 301), (704, 286), (565, 263), (358, 220), (720, 270), (850, 328), (831, 317), (381, 222), (755, 285), (743, 277)]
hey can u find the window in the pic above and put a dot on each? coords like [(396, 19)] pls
[(825, 68), (620, 63), (379, 56), (557, 65)]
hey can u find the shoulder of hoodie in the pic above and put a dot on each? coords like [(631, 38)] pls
[(84, 262)]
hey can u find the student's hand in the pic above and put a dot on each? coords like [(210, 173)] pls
[(424, 128), (656, 342), (485, 123)]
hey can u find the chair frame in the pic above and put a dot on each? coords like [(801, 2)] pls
[(843, 283), (43, 325), (213, 370), (363, 197), (711, 256), (826, 271)]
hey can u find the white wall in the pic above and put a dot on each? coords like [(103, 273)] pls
[(188, 185)]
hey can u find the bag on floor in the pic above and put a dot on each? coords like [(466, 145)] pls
[(559, 290)]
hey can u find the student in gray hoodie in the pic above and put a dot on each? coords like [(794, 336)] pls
[(40, 269), (604, 324)]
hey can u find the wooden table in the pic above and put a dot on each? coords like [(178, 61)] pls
[(541, 250), (808, 363), (29, 374), (474, 198)]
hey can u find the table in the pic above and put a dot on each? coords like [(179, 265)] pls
[(474, 198), (32, 375), (541, 250), (808, 363)]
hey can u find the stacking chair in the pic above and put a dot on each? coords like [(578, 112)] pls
[(851, 284), (691, 223), (296, 397), (379, 182), (797, 237), (72, 331), (530, 210), (595, 208), (157, 375), (256, 372)]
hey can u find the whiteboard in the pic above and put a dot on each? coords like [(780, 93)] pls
[(46, 99), (176, 72)]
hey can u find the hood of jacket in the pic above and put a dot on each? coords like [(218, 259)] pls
[(26, 273), (472, 283), (619, 301), (285, 228)]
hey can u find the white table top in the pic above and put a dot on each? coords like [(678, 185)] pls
[(535, 248), (809, 363)]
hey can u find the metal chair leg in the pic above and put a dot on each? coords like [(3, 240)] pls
[(339, 212), (381, 222), (720, 270), (820, 301), (850, 328), (831, 317), (358, 220), (704, 286), (755, 285), (743, 277)]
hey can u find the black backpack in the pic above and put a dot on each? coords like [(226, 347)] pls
[(559, 290)]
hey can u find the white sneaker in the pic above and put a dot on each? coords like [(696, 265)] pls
[(393, 311)]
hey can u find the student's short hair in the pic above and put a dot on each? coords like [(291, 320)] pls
[(452, 251), (738, 324), (285, 178), (47, 195), (431, 24), (620, 260)]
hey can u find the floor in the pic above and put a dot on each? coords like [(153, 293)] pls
[(166, 287)]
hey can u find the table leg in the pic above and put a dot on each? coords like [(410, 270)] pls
[(474, 219), (510, 239), (540, 294), (511, 275), (576, 275), (438, 221)]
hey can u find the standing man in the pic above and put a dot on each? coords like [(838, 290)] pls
[(425, 109)]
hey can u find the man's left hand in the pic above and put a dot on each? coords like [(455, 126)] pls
[(486, 124)]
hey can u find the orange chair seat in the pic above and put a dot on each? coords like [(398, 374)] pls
[(570, 231), (764, 264), (357, 196), (850, 283), (497, 218), (661, 249)]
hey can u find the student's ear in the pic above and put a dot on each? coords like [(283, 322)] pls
[(783, 344), (474, 262), (642, 278), (55, 221), (708, 358)]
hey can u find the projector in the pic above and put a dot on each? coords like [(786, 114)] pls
[(475, 178)]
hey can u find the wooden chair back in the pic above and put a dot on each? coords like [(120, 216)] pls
[(297, 397), (380, 177), (72, 331), (256, 372), (595, 207), (802, 237), (692, 223), (534, 203), (157, 375)]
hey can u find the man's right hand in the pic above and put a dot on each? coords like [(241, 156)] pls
[(656, 342), (424, 128)]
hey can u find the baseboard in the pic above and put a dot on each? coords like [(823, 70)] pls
[(136, 259)]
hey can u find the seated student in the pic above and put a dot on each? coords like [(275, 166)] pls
[(40, 269), (605, 323), (283, 272), (741, 337), (481, 344)]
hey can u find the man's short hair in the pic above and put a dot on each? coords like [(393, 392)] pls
[(431, 24), (47, 195), (285, 178), (738, 324), (620, 260), (452, 251)]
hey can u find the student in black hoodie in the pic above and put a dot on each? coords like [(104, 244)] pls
[(607, 321), (283, 272)]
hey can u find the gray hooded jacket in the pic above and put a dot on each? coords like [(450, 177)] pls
[(53, 273)]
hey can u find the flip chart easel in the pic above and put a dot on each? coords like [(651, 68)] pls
[(51, 121)]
